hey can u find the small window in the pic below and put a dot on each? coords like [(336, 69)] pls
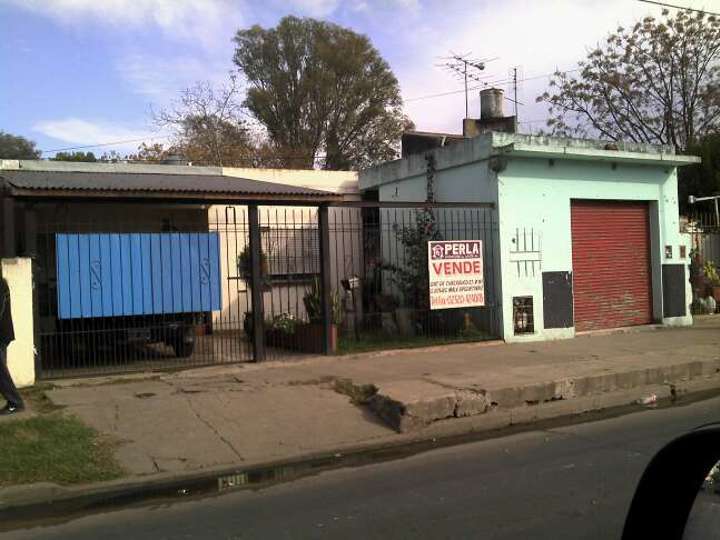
[(293, 253)]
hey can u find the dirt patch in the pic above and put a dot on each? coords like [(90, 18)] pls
[(38, 400), (359, 394), (312, 382)]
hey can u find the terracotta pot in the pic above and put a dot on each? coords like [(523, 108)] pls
[(716, 293), (310, 338)]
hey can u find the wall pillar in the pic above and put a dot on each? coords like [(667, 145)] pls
[(21, 352)]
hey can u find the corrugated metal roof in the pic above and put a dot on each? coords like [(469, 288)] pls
[(138, 183)]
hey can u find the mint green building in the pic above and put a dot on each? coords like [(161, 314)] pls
[(587, 233)]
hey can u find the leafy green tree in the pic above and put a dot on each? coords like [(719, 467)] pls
[(656, 82), (75, 156), (17, 147), (319, 88)]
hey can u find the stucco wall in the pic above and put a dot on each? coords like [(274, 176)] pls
[(346, 256), (534, 196), (471, 181), (21, 352), (345, 182)]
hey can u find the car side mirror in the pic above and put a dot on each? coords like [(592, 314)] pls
[(670, 484)]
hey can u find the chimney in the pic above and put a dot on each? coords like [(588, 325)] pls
[(491, 104)]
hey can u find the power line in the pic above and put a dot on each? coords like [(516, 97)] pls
[(113, 143), (663, 4), (485, 85), (252, 130)]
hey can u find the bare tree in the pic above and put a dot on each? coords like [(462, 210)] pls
[(657, 82), (208, 124)]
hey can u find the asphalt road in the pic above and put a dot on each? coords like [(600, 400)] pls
[(568, 482)]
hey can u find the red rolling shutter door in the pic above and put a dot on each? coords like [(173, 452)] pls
[(611, 264)]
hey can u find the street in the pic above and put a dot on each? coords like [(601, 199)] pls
[(567, 482)]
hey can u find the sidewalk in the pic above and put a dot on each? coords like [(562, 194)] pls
[(244, 415)]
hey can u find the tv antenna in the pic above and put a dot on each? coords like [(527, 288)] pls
[(466, 67), (515, 77)]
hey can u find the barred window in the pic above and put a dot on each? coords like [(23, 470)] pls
[(292, 253)]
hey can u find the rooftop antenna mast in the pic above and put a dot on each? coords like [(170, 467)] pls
[(465, 67)]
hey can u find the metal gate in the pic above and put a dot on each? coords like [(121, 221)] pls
[(703, 228), (177, 290), (146, 294)]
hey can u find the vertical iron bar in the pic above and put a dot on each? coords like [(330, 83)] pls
[(256, 284), (325, 278)]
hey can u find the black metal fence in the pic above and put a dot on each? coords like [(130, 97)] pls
[(335, 280), (704, 230)]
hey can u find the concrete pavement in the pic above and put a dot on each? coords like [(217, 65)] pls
[(563, 482), (257, 413)]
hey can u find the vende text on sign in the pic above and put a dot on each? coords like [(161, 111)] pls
[(456, 274)]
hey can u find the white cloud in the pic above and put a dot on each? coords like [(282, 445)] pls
[(162, 78), (538, 36), (313, 8), (80, 132), (200, 19)]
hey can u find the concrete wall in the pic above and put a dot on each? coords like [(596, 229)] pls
[(346, 257), (21, 352), (469, 181), (345, 182), (231, 222), (534, 196)]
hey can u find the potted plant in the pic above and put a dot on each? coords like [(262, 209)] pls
[(244, 267), (281, 331), (311, 336), (411, 278), (713, 280)]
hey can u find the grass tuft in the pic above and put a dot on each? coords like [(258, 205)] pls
[(54, 448)]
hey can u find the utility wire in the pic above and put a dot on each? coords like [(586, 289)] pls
[(485, 85), (113, 143), (418, 98), (663, 4)]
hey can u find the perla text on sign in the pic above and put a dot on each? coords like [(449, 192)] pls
[(456, 274)]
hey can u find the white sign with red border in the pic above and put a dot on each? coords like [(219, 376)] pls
[(456, 274)]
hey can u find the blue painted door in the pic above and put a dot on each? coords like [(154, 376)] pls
[(111, 275)]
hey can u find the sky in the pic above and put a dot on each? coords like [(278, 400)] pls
[(87, 72)]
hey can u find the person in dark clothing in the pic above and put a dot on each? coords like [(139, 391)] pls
[(7, 335)]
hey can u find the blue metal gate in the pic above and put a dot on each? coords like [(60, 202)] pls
[(112, 275)]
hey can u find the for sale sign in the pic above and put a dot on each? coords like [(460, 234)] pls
[(456, 274)]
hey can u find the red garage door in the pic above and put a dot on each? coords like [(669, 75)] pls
[(611, 264)]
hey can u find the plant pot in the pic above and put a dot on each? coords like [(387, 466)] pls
[(281, 340), (310, 338), (405, 318), (716, 293)]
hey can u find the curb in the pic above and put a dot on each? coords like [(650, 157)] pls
[(49, 503)]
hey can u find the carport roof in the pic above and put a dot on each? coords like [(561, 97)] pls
[(127, 185)]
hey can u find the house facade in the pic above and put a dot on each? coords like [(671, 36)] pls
[(120, 256), (588, 234)]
